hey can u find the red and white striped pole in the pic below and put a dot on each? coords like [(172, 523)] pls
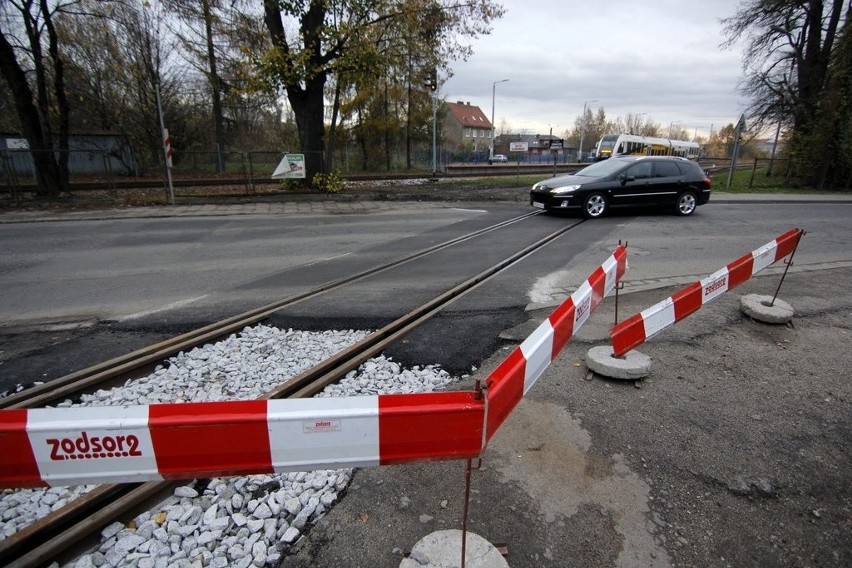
[(167, 147), (635, 330)]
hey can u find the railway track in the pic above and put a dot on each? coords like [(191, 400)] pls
[(140, 360), (47, 539)]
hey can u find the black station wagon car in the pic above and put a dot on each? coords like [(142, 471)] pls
[(626, 181)]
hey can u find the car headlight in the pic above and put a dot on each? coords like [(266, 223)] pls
[(565, 189)]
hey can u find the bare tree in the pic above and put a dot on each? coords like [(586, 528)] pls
[(37, 82), (790, 45), (201, 22)]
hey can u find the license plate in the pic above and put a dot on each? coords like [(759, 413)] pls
[(537, 204)]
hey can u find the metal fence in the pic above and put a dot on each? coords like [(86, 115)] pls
[(104, 170), (245, 172)]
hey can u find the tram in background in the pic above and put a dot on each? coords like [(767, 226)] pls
[(632, 145)]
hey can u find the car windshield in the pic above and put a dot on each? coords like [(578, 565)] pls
[(601, 169)]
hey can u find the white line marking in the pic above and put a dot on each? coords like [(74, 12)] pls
[(327, 259), (173, 305)]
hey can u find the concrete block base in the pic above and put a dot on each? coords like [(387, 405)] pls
[(632, 366), (758, 307), (442, 549)]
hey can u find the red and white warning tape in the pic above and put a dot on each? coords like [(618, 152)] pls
[(635, 330), (510, 381), (70, 446)]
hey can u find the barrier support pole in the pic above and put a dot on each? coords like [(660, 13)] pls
[(469, 467), (618, 286), (787, 264), (481, 394)]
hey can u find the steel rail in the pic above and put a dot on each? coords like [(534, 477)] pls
[(41, 546), (73, 383)]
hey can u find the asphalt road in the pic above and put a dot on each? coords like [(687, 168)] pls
[(108, 284)]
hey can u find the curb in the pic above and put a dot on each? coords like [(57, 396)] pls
[(635, 286), (344, 202)]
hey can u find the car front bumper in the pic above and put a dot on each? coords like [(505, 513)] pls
[(550, 201)]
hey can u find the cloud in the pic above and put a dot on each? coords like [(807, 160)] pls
[(662, 58)]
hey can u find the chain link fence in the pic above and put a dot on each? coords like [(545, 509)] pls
[(106, 171)]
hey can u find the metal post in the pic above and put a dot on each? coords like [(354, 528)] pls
[(583, 129), (434, 134), (774, 147), (741, 125), (165, 157), (467, 469), (493, 96), (619, 286), (788, 263), (250, 172), (108, 169), (753, 170)]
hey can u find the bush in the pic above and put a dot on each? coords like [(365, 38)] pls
[(294, 185), (329, 183)]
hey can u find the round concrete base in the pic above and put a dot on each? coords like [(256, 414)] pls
[(442, 549), (632, 366), (758, 307)]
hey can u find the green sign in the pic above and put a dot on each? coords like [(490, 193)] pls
[(291, 167)]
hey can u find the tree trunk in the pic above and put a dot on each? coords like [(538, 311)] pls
[(306, 96), (308, 107), (46, 169), (332, 131), (215, 88), (61, 98)]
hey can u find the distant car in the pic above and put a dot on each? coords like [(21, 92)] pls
[(628, 180), (500, 158)]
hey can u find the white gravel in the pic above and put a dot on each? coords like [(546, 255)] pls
[(234, 521)]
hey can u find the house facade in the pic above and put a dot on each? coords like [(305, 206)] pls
[(466, 127)]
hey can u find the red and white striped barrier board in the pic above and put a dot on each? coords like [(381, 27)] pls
[(513, 378), (635, 330), (70, 446)]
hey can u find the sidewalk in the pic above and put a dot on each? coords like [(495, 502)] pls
[(323, 204)]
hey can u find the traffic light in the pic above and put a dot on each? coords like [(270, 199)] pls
[(431, 80)]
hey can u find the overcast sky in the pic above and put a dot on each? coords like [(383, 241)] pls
[(658, 57)]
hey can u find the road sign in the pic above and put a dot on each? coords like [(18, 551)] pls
[(519, 146)]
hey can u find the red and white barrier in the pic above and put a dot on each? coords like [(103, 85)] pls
[(635, 330), (71, 446), (510, 381)]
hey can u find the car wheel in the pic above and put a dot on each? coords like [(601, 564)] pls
[(594, 205), (686, 203)]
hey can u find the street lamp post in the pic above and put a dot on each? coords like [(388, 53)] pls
[(671, 127), (583, 129), (493, 94), (638, 123)]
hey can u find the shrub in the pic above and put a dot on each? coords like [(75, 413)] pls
[(329, 183)]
